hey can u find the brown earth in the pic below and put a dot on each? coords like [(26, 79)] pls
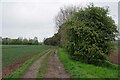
[(12, 67), (115, 56), (33, 70), (0, 75), (55, 68)]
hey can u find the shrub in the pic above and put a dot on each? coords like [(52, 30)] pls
[(90, 33)]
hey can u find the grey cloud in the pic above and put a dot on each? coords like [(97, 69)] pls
[(30, 18)]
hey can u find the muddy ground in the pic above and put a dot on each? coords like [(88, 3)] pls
[(115, 56), (34, 68), (55, 68), (12, 67)]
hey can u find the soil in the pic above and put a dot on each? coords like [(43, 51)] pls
[(0, 74), (55, 68), (12, 67), (32, 71), (115, 57)]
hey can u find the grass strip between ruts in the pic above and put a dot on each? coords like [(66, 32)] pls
[(43, 67)]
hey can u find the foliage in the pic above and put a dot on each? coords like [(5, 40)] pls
[(64, 14), (20, 41), (81, 70), (14, 53), (0, 40), (90, 33), (52, 40)]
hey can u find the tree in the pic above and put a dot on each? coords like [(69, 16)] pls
[(30, 42), (6, 41), (90, 33), (64, 14), (35, 40), (55, 40), (19, 40), (0, 40), (25, 41)]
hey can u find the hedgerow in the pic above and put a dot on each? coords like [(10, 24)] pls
[(90, 33)]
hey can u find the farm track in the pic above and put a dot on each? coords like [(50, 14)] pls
[(115, 57), (33, 70), (0, 74), (55, 68)]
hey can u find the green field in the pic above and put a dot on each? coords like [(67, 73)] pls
[(14, 53), (82, 70), (22, 70)]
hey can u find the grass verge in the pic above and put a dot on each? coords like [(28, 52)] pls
[(43, 67), (82, 70), (21, 71)]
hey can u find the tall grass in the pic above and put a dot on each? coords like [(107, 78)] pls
[(82, 70)]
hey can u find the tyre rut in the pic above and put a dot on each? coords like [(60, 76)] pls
[(33, 70), (55, 69)]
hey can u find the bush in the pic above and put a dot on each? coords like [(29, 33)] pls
[(90, 33)]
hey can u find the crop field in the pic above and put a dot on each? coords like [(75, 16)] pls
[(14, 53)]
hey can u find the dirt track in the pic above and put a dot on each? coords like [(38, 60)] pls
[(32, 71), (0, 74), (55, 67), (115, 57)]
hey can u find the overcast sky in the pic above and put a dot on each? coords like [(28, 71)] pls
[(30, 18)]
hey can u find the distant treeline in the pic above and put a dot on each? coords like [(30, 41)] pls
[(19, 41), (54, 41)]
